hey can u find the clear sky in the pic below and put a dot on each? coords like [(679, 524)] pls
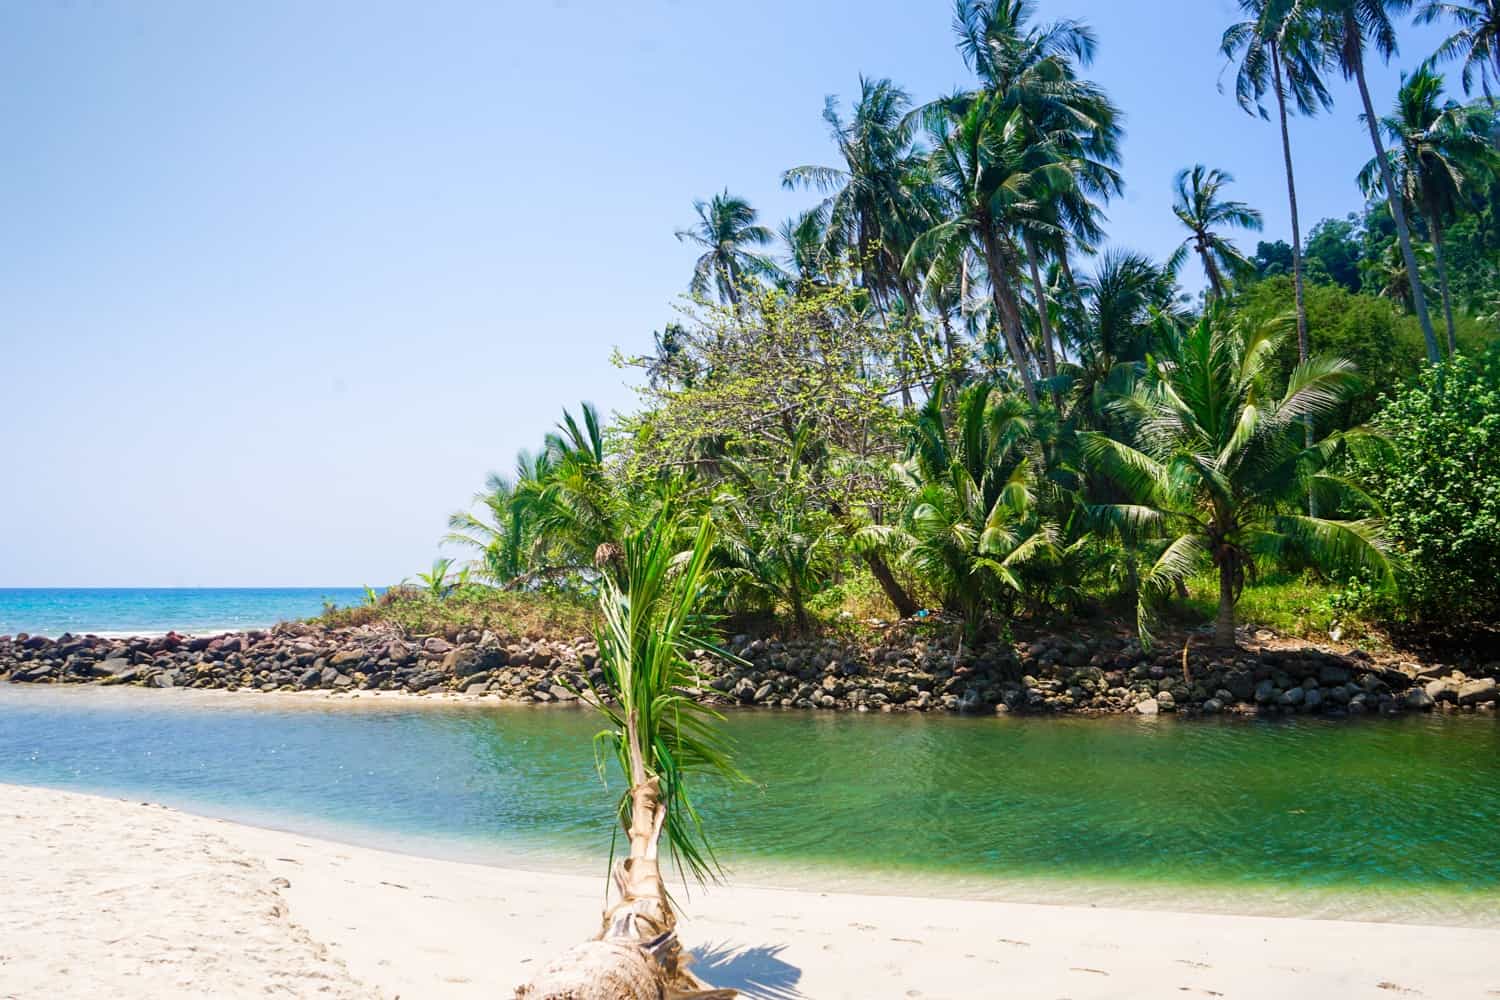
[(281, 281)]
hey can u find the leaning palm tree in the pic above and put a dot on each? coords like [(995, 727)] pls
[(1215, 470), (726, 230), (1347, 27), (1199, 208), (1278, 52), (1439, 146), (502, 533), (1476, 41), (662, 740)]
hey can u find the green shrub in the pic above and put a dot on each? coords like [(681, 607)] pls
[(1440, 487)]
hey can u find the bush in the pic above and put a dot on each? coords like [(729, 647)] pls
[(1440, 487)]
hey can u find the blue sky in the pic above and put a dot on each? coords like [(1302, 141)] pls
[(280, 282)]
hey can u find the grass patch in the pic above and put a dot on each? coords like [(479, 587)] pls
[(1290, 603), (532, 615)]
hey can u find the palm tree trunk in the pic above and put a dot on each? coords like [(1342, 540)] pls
[(1398, 213), (636, 955), (1224, 623), (1298, 289), (894, 592), (1044, 319), (1007, 312), (1215, 281), (1435, 226)]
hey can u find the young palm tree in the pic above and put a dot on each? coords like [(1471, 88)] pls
[(726, 230), (1216, 471), (1278, 52), (1476, 40), (578, 511), (662, 740), (1438, 147), (973, 523), (1198, 207), (1348, 26)]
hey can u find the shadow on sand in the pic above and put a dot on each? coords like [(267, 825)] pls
[(758, 973)]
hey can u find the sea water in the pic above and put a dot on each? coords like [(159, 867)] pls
[(114, 611)]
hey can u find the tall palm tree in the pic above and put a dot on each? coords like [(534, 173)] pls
[(726, 230), (988, 170), (1215, 470), (1476, 40), (873, 202), (1199, 208), (1278, 53), (1034, 70), (1437, 147), (664, 741), (1348, 26)]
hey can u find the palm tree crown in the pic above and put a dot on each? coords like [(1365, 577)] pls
[(1476, 41), (726, 229), (1199, 208)]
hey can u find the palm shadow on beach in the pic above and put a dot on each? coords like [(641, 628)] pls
[(758, 972)]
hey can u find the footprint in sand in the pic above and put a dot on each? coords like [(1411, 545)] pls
[(1394, 988)]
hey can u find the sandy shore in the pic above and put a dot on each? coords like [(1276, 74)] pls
[(105, 898)]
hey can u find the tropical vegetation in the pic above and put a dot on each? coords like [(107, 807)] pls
[(942, 393)]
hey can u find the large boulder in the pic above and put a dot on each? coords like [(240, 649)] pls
[(1483, 691)]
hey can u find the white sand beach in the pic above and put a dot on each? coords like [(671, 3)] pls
[(108, 898)]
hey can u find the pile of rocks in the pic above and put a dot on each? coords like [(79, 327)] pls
[(1090, 674)]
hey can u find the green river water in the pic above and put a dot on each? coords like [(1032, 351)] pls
[(1379, 819)]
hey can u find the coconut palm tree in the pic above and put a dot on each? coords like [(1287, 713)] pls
[(1476, 41), (989, 172), (726, 230), (1278, 53), (973, 523), (1034, 70), (1199, 208), (874, 202), (505, 543), (1215, 469), (1438, 146), (1347, 27), (663, 741)]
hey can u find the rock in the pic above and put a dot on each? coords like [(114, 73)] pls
[(1313, 700), (1166, 701), (1480, 692), (1265, 692), (1148, 707), (477, 687), (162, 679), (1418, 699), (970, 701), (1213, 706), (463, 662), (1292, 697), (744, 691), (436, 646), (560, 693)]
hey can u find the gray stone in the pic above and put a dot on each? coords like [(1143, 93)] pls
[(1213, 706), (1480, 692), (1265, 692), (1418, 699), (1148, 707)]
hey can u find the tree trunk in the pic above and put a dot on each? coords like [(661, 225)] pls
[(894, 592), (1303, 346), (1435, 226), (1215, 281), (1007, 313), (1045, 320), (799, 610), (1224, 624), (636, 955), (1398, 213)]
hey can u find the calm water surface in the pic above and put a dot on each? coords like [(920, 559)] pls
[(1381, 819), (145, 610)]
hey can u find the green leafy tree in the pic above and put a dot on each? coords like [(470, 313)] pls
[(1334, 251), (1216, 472), (1440, 487), (1200, 209)]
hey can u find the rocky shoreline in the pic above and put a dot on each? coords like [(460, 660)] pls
[(1080, 674)]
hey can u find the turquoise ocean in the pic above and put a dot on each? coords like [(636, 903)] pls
[(154, 610)]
